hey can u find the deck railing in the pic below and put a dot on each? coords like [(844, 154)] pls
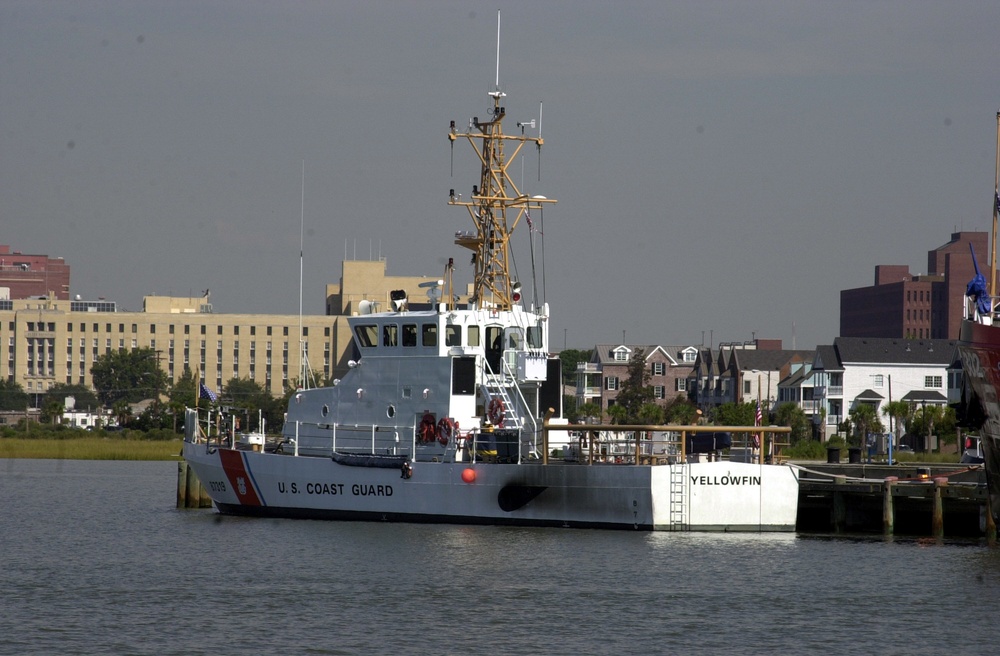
[(635, 443)]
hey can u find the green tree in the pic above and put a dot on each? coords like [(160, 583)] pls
[(13, 396), (635, 390), (52, 410), (122, 411), (901, 413), (131, 376), (865, 420), (681, 411), (791, 415), (589, 410), (651, 413), (569, 358), (933, 420), (248, 397), (734, 414), (184, 392), (83, 397)]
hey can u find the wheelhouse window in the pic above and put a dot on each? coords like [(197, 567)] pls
[(429, 334), (409, 334), (390, 336), (452, 335), (473, 335), (367, 335), (534, 336)]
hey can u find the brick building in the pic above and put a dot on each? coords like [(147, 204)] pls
[(916, 306), (32, 276)]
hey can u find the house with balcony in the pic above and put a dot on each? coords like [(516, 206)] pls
[(875, 371), (742, 372), (600, 379)]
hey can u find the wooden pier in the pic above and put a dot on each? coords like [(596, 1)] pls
[(912, 499)]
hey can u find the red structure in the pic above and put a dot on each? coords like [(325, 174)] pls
[(28, 276), (904, 305)]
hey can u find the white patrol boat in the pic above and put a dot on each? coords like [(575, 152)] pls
[(444, 416)]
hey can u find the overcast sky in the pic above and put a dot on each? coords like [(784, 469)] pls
[(722, 169)]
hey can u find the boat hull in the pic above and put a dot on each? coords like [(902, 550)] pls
[(979, 346), (716, 496)]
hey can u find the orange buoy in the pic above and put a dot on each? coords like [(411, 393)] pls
[(469, 475)]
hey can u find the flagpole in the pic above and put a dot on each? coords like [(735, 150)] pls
[(759, 421)]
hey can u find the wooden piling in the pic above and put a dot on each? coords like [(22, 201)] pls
[(887, 512), (193, 490), (839, 506), (937, 518)]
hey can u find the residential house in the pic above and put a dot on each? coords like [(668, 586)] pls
[(742, 373), (875, 371), (600, 379)]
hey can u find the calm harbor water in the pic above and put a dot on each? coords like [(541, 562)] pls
[(96, 559)]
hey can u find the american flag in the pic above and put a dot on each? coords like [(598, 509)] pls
[(208, 394), (757, 418)]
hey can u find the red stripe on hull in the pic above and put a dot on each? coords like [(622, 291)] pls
[(236, 471)]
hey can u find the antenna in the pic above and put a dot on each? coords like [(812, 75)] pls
[(498, 49), (538, 144)]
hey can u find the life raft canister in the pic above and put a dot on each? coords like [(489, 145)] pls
[(495, 412), (427, 432), (446, 429)]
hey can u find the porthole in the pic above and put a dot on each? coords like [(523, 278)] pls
[(326, 410), (390, 412)]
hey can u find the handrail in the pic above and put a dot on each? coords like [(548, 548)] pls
[(683, 429)]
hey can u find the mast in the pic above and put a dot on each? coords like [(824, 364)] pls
[(996, 210), (496, 204)]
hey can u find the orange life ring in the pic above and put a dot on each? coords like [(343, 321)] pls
[(426, 433), (495, 412), (446, 428)]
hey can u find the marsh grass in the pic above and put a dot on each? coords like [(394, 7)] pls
[(89, 448)]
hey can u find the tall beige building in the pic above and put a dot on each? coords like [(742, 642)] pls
[(51, 341)]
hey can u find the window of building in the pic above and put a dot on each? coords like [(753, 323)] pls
[(621, 356), (203, 330), (680, 385), (659, 392), (611, 382), (878, 380), (659, 368), (932, 381)]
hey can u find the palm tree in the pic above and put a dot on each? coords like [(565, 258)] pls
[(900, 412), (865, 420)]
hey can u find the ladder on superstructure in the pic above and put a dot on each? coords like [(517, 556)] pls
[(497, 387)]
